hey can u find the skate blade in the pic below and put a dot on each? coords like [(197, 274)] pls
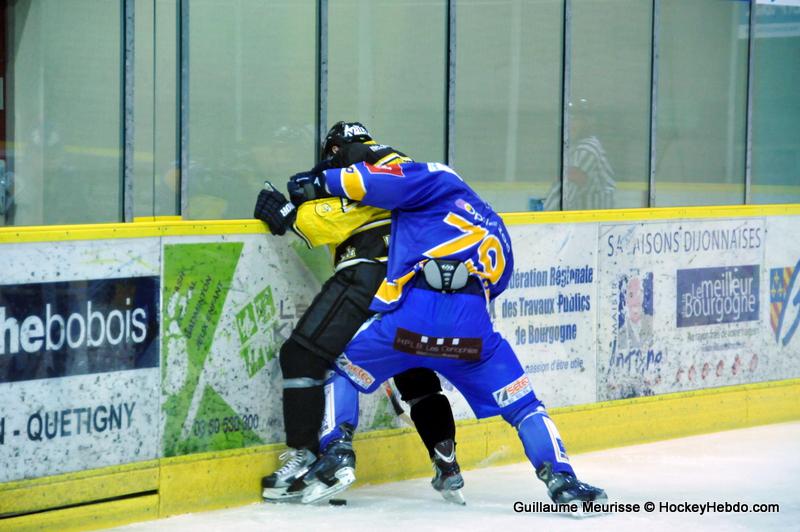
[(319, 491), (279, 495), (454, 496)]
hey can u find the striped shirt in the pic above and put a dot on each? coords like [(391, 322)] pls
[(598, 188)]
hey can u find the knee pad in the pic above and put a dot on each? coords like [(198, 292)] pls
[(300, 363)]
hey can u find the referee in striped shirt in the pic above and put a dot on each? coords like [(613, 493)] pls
[(590, 178)]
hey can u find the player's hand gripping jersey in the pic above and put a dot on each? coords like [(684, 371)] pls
[(440, 218)]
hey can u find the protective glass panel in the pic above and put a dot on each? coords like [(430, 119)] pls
[(776, 105), (609, 107), (508, 101), (386, 69), (61, 112), (252, 93), (701, 107)]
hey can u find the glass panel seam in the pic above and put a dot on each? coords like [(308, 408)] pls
[(566, 88), (654, 61), (183, 106), (748, 152), (128, 102), (322, 75), (450, 83)]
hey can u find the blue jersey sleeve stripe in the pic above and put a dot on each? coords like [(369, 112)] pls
[(353, 183)]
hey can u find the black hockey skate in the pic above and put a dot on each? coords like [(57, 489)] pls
[(447, 478), (565, 488), (275, 487), (332, 473)]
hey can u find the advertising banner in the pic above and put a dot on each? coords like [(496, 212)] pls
[(229, 304), (125, 350), (548, 311), (79, 357), (782, 316), (681, 306)]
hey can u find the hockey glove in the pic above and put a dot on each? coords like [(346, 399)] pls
[(307, 186), (273, 208)]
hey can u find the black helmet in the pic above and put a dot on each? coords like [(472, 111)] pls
[(343, 133)]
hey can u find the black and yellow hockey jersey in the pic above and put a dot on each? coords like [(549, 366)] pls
[(355, 232)]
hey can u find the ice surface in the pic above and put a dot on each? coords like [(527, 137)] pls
[(755, 465)]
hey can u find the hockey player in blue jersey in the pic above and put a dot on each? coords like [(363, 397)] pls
[(450, 255), (358, 236)]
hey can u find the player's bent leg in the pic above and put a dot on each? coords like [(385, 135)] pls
[(334, 471), (366, 363), (321, 334), (499, 385), (430, 410), (335, 314), (540, 438), (433, 419), (303, 404), (546, 452), (303, 396)]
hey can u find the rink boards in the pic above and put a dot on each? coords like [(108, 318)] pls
[(138, 359)]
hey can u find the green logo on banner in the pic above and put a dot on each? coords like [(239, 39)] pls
[(256, 324), (196, 282)]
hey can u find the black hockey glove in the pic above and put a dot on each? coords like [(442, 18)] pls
[(307, 186), (273, 208)]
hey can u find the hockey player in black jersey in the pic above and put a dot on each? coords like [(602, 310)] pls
[(358, 238)]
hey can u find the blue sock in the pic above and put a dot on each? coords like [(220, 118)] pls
[(542, 442), (341, 406)]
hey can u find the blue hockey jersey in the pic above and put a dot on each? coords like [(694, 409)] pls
[(434, 215)]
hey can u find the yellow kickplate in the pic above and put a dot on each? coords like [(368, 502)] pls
[(88, 517), (206, 481), (27, 496), (217, 480)]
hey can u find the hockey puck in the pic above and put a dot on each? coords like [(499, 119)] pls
[(338, 502)]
